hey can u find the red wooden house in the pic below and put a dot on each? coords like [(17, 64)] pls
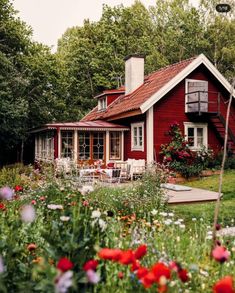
[(133, 122)]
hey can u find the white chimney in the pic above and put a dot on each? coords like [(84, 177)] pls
[(134, 72)]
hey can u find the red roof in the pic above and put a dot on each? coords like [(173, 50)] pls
[(152, 84), (83, 125)]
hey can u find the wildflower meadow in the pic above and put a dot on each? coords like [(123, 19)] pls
[(59, 237)]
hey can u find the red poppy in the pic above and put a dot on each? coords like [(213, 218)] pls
[(2, 206), (162, 289), (140, 251), (42, 198), (183, 275), (110, 254), (159, 270), (141, 272), (120, 275), (224, 285), (127, 257), (220, 253), (148, 280), (18, 188), (33, 202), (64, 264), (31, 246), (135, 265), (90, 265)]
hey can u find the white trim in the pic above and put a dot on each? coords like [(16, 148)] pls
[(107, 146), (75, 146), (102, 103), (197, 125), (122, 138), (137, 148), (201, 59), (59, 144), (149, 135)]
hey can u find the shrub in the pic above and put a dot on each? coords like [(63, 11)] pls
[(180, 158)]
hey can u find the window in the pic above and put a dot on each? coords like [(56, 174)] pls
[(44, 146), (196, 134), (67, 144), (98, 146), (84, 146), (196, 90), (115, 145), (102, 104), (137, 136)]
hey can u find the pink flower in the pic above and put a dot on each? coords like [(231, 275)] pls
[(85, 203), (6, 193), (63, 281), (92, 277), (220, 253), (33, 202), (28, 214)]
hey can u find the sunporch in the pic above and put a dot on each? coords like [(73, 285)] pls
[(83, 143)]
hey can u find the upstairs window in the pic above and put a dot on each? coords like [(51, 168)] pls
[(196, 135), (102, 104), (137, 136), (196, 90)]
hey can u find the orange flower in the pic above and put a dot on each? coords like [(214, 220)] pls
[(120, 275), (110, 254), (224, 285)]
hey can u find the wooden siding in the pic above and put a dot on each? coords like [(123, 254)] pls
[(111, 98), (128, 153), (172, 108)]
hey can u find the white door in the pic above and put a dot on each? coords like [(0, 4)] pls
[(197, 90)]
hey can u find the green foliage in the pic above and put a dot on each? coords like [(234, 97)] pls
[(138, 199)]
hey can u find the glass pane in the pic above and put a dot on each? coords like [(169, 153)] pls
[(115, 145), (98, 145), (140, 136), (191, 136), (84, 146), (199, 137)]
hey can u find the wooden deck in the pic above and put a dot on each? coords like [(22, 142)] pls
[(195, 195)]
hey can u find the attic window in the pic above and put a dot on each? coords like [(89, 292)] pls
[(102, 104)]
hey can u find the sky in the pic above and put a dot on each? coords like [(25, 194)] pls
[(49, 19)]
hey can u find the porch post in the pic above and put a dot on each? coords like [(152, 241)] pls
[(123, 145), (75, 146), (56, 144), (107, 147), (59, 143), (149, 134)]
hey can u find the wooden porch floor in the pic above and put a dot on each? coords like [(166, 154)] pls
[(195, 195)]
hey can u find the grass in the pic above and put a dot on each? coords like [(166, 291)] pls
[(206, 210)]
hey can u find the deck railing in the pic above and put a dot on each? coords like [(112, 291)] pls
[(204, 102)]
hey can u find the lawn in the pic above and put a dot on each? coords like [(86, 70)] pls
[(206, 210)]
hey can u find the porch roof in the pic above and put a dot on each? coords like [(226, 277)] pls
[(97, 125)]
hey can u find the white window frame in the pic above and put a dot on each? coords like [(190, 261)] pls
[(187, 80), (137, 147), (102, 104), (204, 126)]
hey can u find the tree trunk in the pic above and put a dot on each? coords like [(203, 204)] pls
[(22, 152)]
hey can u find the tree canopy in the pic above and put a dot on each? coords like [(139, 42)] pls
[(37, 86)]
